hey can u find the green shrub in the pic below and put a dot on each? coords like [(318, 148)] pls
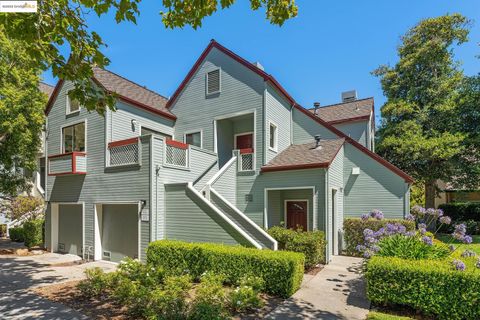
[(353, 230), (246, 295), (95, 283), (462, 211), (33, 233), (311, 243), (282, 271), (16, 234), (431, 286), (3, 230), (209, 300), (404, 247)]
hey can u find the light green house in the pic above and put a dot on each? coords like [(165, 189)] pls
[(228, 155)]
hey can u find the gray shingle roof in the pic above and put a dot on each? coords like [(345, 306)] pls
[(46, 88), (130, 89), (345, 111), (303, 156)]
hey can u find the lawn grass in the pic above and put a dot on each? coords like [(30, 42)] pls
[(474, 246), (373, 315)]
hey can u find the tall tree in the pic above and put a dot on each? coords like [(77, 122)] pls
[(420, 129), (21, 115)]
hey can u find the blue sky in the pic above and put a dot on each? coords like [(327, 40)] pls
[(330, 47)]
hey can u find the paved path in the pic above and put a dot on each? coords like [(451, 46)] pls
[(18, 275), (336, 292)]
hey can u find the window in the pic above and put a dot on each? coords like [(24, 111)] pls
[(72, 105), (213, 81), (273, 137), (74, 138), (146, 131), (194, 138)]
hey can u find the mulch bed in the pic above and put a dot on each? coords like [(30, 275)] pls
[(313, 271), (403, 311), (67, 294)]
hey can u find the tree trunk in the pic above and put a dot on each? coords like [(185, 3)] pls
[(430, 190)]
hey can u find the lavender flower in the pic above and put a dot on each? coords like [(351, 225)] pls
[(445, 220), (427, 240), (365, 216), (467, 239), (410, 217), (367, 232), (468, 253), (459, 265), (451, 247), (367, 254), (360, 248), (430, 212), (418, 211), (439, 213), (377, 214)]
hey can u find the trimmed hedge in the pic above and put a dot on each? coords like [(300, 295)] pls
[(353, 230), (311, 243), (16, 234), (32, 231), (281, 271), (462, 211), (431, 286)]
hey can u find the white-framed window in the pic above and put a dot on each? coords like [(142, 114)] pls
[(73, 138), (272, 136), (213, 81), (72, 105), (193, 138)]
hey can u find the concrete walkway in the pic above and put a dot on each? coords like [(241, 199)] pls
[(18, 275), (336, 292)]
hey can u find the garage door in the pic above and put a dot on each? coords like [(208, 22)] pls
[(70, 228), (119, 231)]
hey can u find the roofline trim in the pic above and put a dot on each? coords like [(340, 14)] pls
[(231, 54), (353, 119), (296, 167), (140, 105), (372, 154)]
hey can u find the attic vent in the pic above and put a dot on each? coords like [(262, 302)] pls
[(213, 81), (349, 96)]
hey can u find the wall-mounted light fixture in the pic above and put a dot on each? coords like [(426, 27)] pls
[(134, 125)]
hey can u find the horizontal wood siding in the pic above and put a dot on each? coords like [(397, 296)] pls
[(188, 220), (375, 187), (357, 130), (335, 181), (277, 111), (305, 128), (241, 90), (98, 185), (60, 164), (81, 163), (227, 183)]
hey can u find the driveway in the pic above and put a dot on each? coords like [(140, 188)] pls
[(18, 275)]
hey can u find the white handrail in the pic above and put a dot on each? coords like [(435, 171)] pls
[(223, 216), (241, 214)]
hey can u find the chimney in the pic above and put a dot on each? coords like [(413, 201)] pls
[(317, 140), (349, 96), (316, 105)]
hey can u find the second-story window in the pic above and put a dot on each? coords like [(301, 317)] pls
[(72, 105), (74, 138), (213, 82), (273, 136), (194, 138)]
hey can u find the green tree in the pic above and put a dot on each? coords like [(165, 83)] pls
[(21, 115), (420, 129), (60, 26)]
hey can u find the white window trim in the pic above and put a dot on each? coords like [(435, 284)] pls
[(219, 82), (69, 125), (194, 131), (275, 138), (68, 111)]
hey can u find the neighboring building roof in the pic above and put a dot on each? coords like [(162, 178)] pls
[(305, 156), (46, 88), (347, 111), (127, 91)]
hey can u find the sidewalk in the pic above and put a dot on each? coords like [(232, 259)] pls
[(336, 292)]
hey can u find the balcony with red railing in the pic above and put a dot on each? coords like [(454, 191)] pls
[(67, 163)]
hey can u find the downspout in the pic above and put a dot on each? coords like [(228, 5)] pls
[(327, 215), (264, 123)]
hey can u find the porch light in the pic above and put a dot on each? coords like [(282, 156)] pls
[(134, 125)]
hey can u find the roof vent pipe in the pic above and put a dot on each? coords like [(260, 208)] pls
[(316, 105), (317, 140)]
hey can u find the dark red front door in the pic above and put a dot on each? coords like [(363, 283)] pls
[(244, 142), (297, 215)]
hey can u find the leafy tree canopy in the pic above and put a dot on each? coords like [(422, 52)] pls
[(422, 130), (60, 25)]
